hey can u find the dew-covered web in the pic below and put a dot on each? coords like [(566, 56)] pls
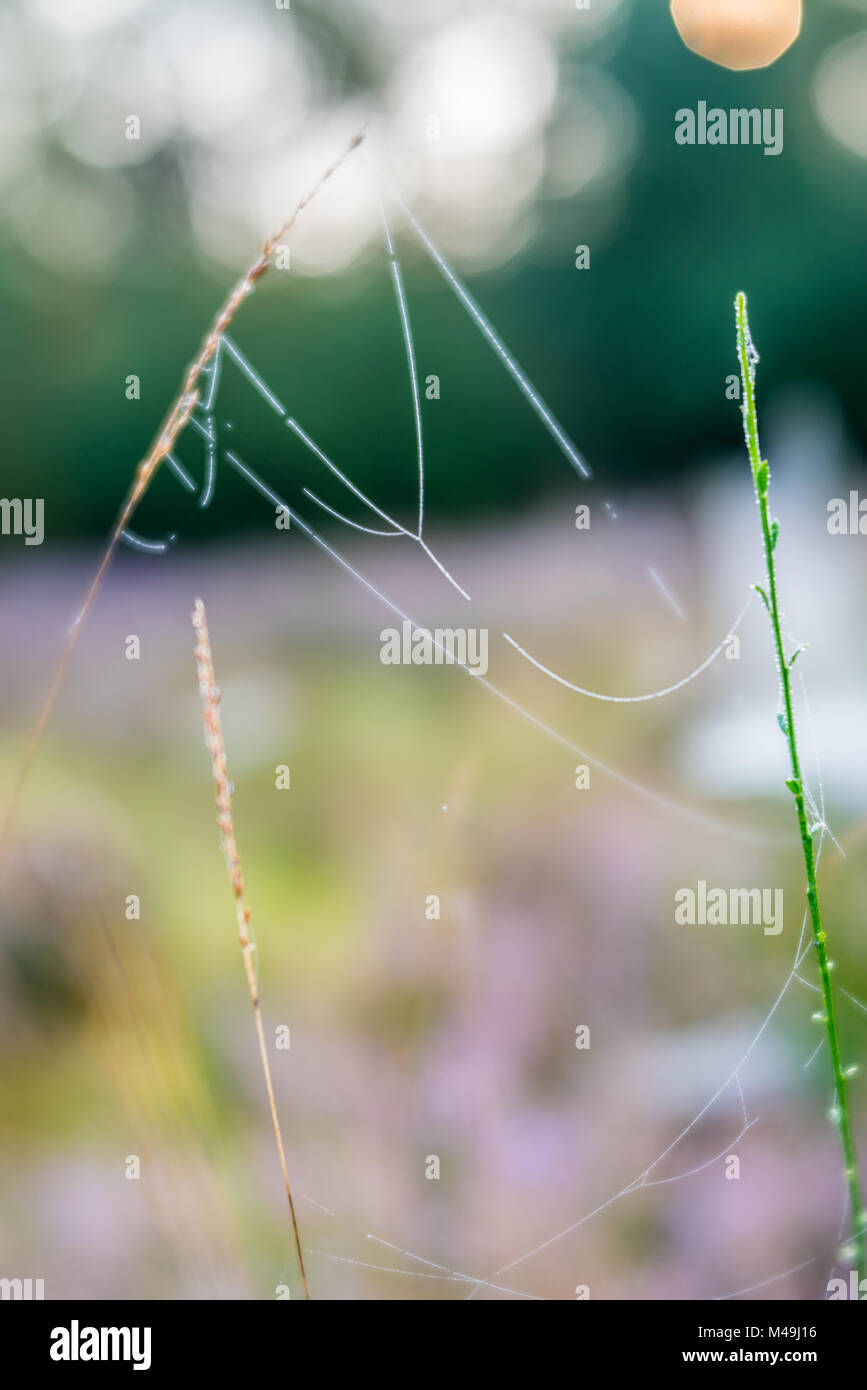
[(381, 525)]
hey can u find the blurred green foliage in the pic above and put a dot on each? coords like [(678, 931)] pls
[(632, 355)]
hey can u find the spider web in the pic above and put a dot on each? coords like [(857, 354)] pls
[(214, 452)]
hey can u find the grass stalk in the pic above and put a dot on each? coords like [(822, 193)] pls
[(173, 425), (210, 696), (748, 357)]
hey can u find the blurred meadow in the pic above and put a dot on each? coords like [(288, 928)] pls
[(414, 1037)]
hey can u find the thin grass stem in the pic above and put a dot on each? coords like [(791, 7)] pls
[(210, 696), (166, 437), (748, 357)]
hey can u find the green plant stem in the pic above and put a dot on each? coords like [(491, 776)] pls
[(748, 358)]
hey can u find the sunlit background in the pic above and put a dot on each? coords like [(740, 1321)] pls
[(516, 133)]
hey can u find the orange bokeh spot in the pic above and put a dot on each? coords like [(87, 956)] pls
[(738, 33)]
